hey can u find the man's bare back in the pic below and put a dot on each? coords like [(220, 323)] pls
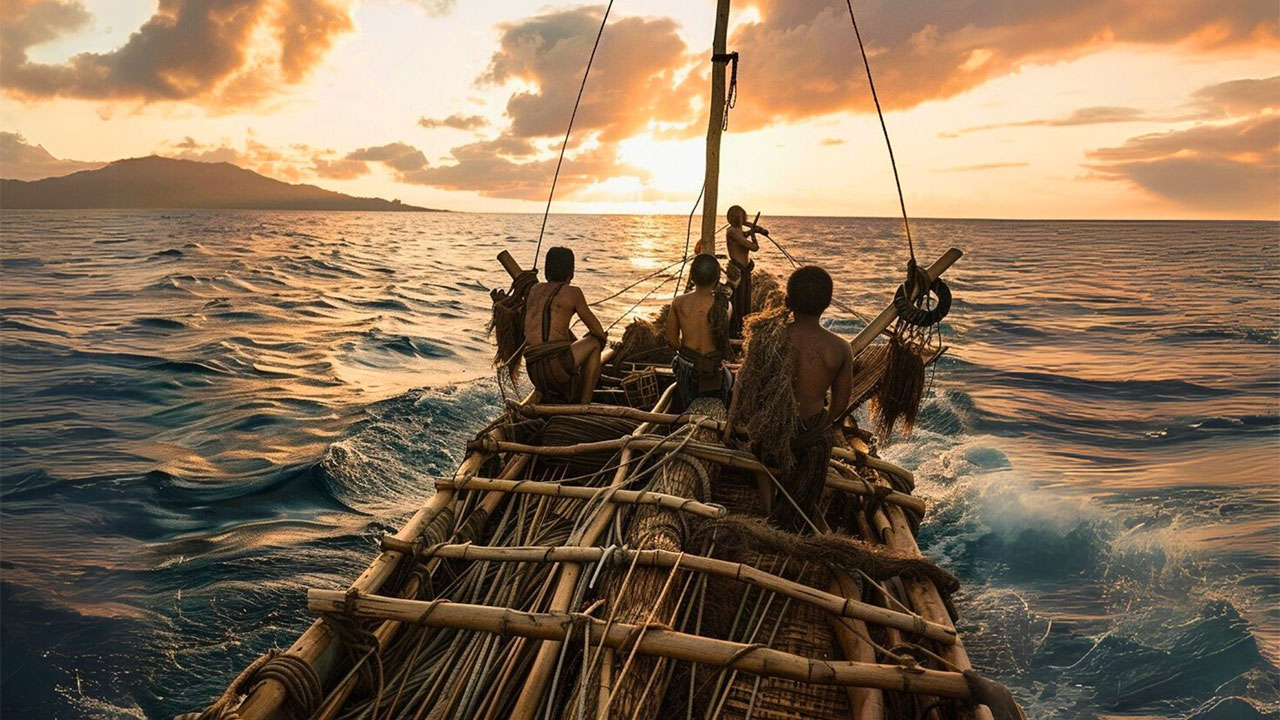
[(563, 307), (824, 361), (689, 323)]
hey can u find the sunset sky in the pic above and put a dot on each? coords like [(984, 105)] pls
[(997, 108)]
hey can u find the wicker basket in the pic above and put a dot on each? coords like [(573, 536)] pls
[(641, 388)]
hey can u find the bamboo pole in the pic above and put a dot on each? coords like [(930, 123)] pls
[(862, 459), (864, 703), (654, 641), (839, 605), (886, 316), (924, 596), (648, 597), (544, 663), (715, 125), (551, 489), (835, 481), (316, 645), (624, 412)]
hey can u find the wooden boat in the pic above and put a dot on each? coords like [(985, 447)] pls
[(609, 561)]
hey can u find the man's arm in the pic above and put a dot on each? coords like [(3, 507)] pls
[(588, 318), (842, 385), (747, 241), (673, 325)]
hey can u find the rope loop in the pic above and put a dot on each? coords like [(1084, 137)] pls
[(301, 683), (731, 97)]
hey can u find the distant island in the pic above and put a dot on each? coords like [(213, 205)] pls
[(162, 183)]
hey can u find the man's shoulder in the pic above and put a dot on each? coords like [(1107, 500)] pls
[(837, 344)]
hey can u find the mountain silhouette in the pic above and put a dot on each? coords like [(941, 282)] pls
[(157, 182)]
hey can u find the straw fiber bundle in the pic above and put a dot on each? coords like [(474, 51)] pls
[(506, 323), (642, 340), (766, 293), (897, 400), (766, 408)]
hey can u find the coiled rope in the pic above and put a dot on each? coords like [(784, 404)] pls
[(554, 178)]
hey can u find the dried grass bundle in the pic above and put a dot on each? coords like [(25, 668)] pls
[(506, 324), (897, 399), (766, 406), (641, 338), (766, 292)]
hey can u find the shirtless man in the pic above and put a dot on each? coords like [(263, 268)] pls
[(697, 327), (823, 362), (740, 239), (554, 360)]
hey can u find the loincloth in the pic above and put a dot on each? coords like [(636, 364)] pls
[(741, 297), (701, 375), (811, 446), (552, 371)]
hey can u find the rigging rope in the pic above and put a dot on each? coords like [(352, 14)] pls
[(885, 128), (688, 235), (537, 250)]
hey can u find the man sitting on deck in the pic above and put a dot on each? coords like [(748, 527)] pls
[(823, 362), (697, 327), (554, 360)]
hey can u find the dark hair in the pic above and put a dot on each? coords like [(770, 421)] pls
[(735, 210), (559, 264), (809, 290), (704, 270)]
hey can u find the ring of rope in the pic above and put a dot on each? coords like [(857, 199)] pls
[(912, 314)]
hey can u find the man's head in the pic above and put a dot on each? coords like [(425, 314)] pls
[(736, 215), (559, 264), (704, 270), (809, 291)]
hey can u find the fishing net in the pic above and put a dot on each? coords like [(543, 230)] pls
[(766, 407), (897, 399)]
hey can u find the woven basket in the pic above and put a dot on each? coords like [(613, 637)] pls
[(641, 388)]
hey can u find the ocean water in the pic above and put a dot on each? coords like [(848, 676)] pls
[(204, 413)]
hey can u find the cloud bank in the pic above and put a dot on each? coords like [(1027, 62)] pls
[(213, 52)]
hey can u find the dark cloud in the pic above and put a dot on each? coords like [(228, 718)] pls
[(455, 121), (206, 51), (20, 160), (1239, 97), (397, 156), (801, 60), (1231, 168)]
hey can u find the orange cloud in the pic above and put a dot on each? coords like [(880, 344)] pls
[(635, 80), (1231, 168), (205, 51), (801, 59), (485, 168), (455, 121)]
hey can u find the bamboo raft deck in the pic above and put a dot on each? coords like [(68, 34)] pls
[(609, 561)]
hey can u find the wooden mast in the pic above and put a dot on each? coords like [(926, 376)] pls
[(711, 182)]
